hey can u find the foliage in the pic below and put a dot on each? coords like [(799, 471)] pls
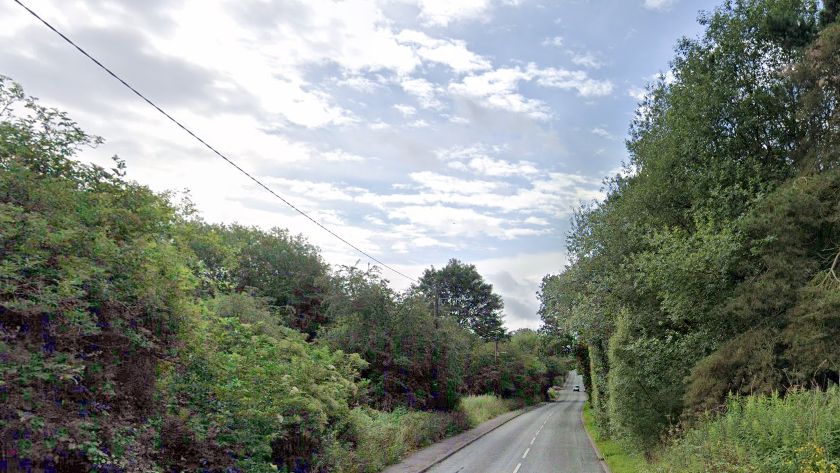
[(618, 457), (92, 294), (415, 359), (797, 434), (376, 439), (136, 337), (463, 295), (484, 407), (710, 268), (523, 367), (258, 388), (285, 269)]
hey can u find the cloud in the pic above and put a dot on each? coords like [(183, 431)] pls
[(603, 133), (659, 4), (498, 89), (360, 83), (339, 106), (452, 222), (443, 12), (450, 52), (572, 80), (443, 183), (586, 60), (405, 110), (498, 167), (338, 155), (637, 93), (423, 90), (477, 159), (555, 41)]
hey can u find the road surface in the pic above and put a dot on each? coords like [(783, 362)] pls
[(547, 439)]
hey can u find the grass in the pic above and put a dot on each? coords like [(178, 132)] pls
[(480, 409), (799, 433), (382, 438), (618, 459)]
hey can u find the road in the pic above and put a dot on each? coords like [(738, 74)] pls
[(548, 439)]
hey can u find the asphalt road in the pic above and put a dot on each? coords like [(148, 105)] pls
[(548, 439)]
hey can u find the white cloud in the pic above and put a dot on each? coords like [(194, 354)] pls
[(572, 80), (537, 221), (442, 183), (360, 83), (603, 133), (637, 93), (342, 156), (450, 52), (477, 159), (498, 88), (500, 168), (659, 4), (586, 59), (425, 91), (555, 41), (443, 12), (419, 124), (451, 221), (405, 110)]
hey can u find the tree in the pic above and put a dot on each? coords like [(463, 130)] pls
[(414, 360), (708, 268), (462, 294)]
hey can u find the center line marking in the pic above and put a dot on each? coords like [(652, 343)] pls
[(533, 440), (526, 453), (518, 466)]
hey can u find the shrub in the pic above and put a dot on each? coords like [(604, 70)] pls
[(796, 434)]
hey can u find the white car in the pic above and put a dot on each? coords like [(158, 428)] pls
[(576, 388)]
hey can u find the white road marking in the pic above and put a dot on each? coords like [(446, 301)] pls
[(526, 452), (533, 439), (518, 466)]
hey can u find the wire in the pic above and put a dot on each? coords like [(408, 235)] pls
[(200, 140)]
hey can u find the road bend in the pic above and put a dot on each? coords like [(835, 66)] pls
[(548, 439)]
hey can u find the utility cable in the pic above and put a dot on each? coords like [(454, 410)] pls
[(206, 145)]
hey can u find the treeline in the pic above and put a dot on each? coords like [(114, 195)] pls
[(135, 337), (711, 268)]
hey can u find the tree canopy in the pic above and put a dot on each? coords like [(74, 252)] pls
[(464, 295)]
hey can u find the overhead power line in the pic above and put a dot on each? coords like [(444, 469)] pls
[(206, 145)]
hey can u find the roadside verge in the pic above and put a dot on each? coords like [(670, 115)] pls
[(424, 459), (586, 427), (614, 458)]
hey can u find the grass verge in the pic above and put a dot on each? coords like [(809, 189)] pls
[(480, 409), (618, 459), (381, 438)]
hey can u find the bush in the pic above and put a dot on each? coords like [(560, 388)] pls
[(796, 434), (258, 389)]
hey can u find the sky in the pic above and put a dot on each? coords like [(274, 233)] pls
[(419, 130)]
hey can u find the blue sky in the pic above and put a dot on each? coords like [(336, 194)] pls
[(420, 130)]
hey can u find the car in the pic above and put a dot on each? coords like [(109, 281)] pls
[(576, 388)]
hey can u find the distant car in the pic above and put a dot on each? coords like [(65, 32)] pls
[(576, 388)]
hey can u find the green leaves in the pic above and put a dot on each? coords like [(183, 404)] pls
[(700, 269), (463, 295)]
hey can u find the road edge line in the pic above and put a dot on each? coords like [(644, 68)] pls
[(601, 460), (467, 444)]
